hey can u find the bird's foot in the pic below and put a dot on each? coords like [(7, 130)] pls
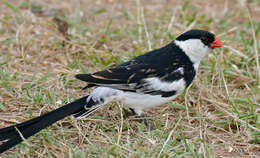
[(141, 118), (145, 121)]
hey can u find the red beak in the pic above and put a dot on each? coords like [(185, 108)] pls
[(216, 43)]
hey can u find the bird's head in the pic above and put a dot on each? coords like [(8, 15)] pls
[(196, 43)]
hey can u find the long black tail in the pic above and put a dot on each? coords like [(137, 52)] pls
[(26, 129)]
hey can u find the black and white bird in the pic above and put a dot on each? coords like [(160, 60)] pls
[(146, 81)]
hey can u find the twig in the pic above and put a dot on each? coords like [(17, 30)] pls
[(169, 136), (12, 121), (228, 31), (146, 31), (186, 103), (236, 51), (21, 135), (171, 22), (255, 46), (225, 83), (191, 25), (82, 134), (121, 125), (218, 104), (139, 21)]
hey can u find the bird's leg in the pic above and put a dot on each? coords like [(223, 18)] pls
[(133, 111), (146, 123), (128, 113), (144, 120), (139, 115)]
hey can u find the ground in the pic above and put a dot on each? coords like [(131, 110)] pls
[(45, 43)]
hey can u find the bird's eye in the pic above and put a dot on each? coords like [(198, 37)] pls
[(204, 40)]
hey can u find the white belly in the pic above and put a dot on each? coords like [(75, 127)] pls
[(136, 101), (144, 101)]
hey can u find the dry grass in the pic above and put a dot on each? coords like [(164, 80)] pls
[(218, 116)]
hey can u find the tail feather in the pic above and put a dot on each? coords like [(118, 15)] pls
[(9, 144), (35, 125), (9, 132)]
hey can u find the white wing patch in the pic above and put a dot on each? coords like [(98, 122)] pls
[(157, 84), (180, 70)]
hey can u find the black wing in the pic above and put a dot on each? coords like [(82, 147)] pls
[(132, 78), (162, 64)]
